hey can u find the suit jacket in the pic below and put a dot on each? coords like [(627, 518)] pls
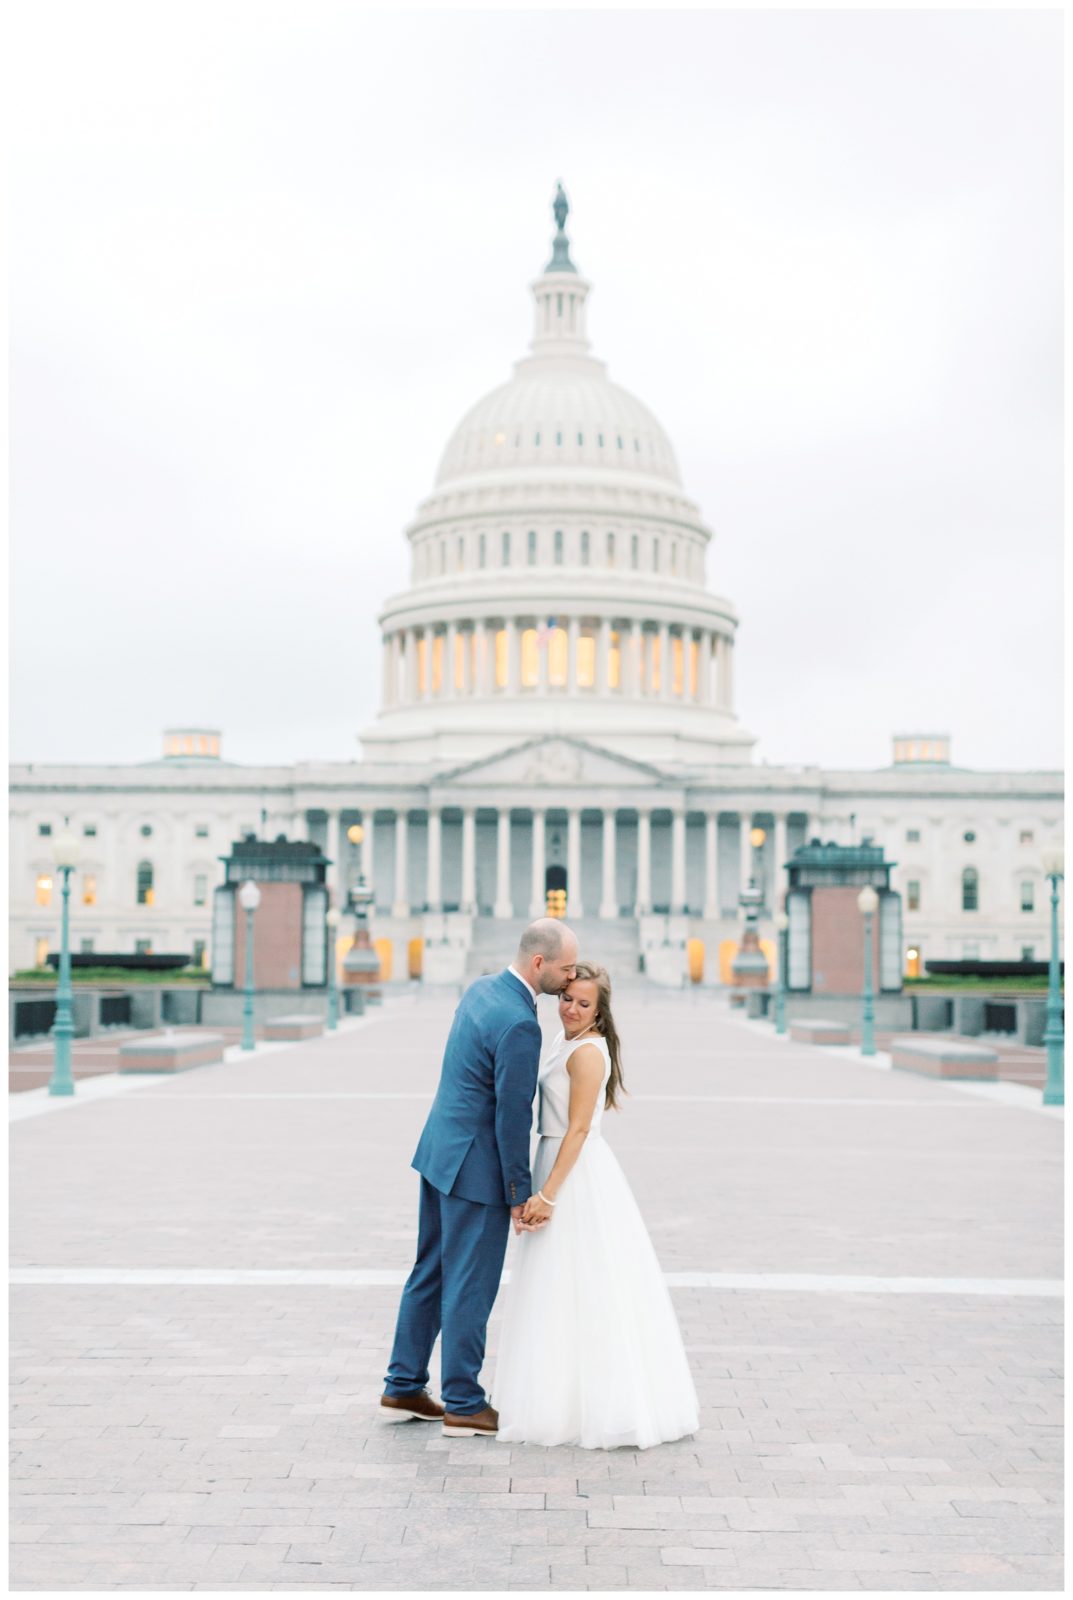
[(475, 1143)]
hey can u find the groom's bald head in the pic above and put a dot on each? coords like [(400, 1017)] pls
[(547, 955)]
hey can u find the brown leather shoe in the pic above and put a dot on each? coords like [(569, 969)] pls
[(481, 1425), (402, 1407)]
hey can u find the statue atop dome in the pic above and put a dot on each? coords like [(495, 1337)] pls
[(560, 250)]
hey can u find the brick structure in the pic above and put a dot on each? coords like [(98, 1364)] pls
[(290, 936), (826, 928)]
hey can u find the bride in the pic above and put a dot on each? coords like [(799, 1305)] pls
[(590, 1352)]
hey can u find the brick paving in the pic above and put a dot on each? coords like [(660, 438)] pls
[(226, 1437)]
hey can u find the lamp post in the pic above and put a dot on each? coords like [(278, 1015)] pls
[(1054, 1092), (782, 923), (867, 901), (756, 839), (331, 917), (249, 898), (65, 854)]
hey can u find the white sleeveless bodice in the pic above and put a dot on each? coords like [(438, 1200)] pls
[(554, 1082)]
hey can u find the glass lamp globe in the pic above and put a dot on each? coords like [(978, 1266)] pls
[(1054, 863), (355, 833), (66, 850), (331, 917), (249, 896), (867, 900), (757, 837), (782, 922)]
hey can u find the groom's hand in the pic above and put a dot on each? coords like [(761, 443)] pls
[(516, 1218)]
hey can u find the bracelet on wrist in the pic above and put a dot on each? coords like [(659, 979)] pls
[(545, 1199)]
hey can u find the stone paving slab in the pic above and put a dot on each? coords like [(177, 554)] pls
[(226, 1437)]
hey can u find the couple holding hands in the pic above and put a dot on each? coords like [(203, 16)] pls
[(590, 1353)]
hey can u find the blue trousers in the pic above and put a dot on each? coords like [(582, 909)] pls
[(451, 1290)]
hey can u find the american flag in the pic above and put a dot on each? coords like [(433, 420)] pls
[(545, 631)]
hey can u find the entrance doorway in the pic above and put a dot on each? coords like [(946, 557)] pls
[(555, 891)]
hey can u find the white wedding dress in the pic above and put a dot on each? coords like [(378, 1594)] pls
[(590, 1351)]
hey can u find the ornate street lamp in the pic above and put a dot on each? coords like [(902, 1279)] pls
[(782, 923), (249, 898), (867, 903), (1054, 1092), (756, 839), (331, 917), (65, 853)]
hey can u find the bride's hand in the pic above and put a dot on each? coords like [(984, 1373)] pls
[(536, 1212)]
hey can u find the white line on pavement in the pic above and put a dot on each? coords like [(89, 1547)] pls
[(383, 1278), (674, 1099)]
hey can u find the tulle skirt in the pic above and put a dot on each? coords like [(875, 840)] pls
[(590, 1350)]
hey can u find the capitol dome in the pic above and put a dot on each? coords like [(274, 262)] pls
[(558, 571)]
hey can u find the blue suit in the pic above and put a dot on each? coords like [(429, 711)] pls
[(473, 1157)]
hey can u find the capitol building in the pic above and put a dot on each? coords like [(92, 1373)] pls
[(557, 719)]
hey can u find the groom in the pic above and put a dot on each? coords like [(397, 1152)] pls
[(473, 1157)]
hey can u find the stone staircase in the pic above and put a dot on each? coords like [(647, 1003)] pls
[(615, 945)]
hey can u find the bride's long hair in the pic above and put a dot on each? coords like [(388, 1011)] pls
[(604, 1023)]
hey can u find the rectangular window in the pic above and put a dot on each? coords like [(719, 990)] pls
[(1028, 952), (40, 952), (1026, 836), (635, 552), (314, 936), (143, 947), (201, 888), (86, 947), (201, 831), (223, 936), (890, 942), (913, 836), (43, 890), (506, 550), (482, 551), (198, 957), (1028, 895), (90, 830), (89, 889), (912, 895), (799, 942), (44, 829)]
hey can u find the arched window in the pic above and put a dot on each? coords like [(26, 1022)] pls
[(530, 662), (460, 555), (558, 547), (584, 547), (145, 883), (505, 557), (970, 889), (89, 888), (611, 549), (655, 555), (482, 550), (532, 547), (635, 552)]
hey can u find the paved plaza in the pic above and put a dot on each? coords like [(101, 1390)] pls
[(206, 1271)]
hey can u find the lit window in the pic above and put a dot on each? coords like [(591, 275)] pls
[(201, 888), (437, 663), (422, 663), (188, 744), (970, 890), (912, 836), (558, 547), (614, 661), (558, 657), (912, 895), (145, 883), (89, 889), (460, 661), (90, 830), (1026, 836), (44, 829), (586, 661), (584, 547), (202, 744), (502, 647), (677, 665), (532, 547), (500, 438), (530, 658), (43, 890), (1028, 895)]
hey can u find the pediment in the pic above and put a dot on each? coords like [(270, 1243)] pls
[(553, 761)]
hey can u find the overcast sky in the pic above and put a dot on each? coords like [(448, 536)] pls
[(264, 257)]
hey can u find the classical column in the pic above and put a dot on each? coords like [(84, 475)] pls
[(538, 900), (450, 651), (704, 668), (608, 887), (780, 879), (745, 849), (573, 863), (514, 655), (573, 635), (711, 852), (469, 860), (678, 861), (489, 674), (411, 665), (504, 906), (664, 661), (603, 658), (433, 891), (644, 862), (368, 854), (334, 852), (401, 908)]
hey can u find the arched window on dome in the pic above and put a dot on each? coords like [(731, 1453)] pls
[(505, 549), (674, 555), (581, 438), (558, 547), (460, 554), (144, 890), (600, 440), (655, 554), (584, 547), (532, 547), (482, 550), (611, 549), (635, 552), (970, 889), (443, 555), (694, 666)]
